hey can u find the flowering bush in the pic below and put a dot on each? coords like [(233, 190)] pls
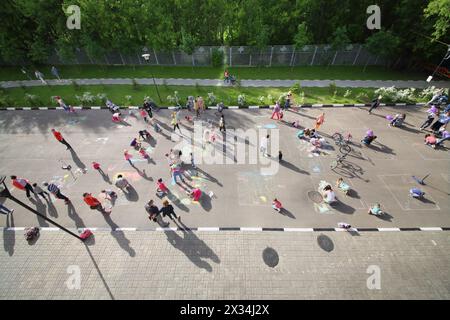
[(270, 98), (86, 99), (347, 93), (363, 97), (211, 98), (391, 94), (428, 93), (241, 100), (301, 98), (261, 100), (101, 97), (31, 99), (128, 99)]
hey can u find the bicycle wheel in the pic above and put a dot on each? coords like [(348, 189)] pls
[(337, 137), (345, 149), (333, 164)]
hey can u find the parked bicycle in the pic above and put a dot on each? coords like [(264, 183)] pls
[(339, 160), (343, 142)]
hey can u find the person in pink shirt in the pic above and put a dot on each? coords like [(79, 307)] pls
[(128, 157), (276, 204), (22, 184), (430, 140), (144, 115), (276, 111)]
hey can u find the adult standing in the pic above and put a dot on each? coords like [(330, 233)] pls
[(175, 122), (58, 136), (53, 188), (167, 210), (432, 114), (22, 184), (263, 145), (39, 75), (276, 110), (222, 124), (375, 103), (320, 120), (442, 121), (153, 213), (55, 72)]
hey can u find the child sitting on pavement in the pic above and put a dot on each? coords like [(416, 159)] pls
[(276, 205), (375, 210)]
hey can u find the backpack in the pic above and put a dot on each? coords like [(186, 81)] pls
[(31, 233)]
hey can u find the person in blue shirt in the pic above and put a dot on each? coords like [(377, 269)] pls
[(416, 193)]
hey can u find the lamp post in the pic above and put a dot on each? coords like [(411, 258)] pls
[(4, 192), (146, 56), (446, 56)]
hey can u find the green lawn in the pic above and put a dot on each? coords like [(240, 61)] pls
[(301, 73), (117, 93)]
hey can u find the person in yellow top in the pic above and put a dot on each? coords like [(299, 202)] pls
[(175, 122), (197, 107)]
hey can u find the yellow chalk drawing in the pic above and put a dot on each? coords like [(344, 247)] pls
[(263, 198)]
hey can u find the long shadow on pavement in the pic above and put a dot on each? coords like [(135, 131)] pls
[(9, 236), (40, 207), (71, 212), (77, 160), (98, 271), (123, 242), (194, 248), (292, 167)]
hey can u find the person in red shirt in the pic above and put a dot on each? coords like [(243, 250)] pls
[(162, 188), (58, 136), (196, 194), (276, 204), (22, 184), (91, 201)]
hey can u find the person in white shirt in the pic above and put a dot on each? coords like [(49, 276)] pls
[(263, 146)]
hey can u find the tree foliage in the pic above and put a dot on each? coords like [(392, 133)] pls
[(34, 30)]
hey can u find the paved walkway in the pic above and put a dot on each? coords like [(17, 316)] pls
[(226, 265), (242, 191), (244, 83)]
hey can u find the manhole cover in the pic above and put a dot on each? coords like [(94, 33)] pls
[(325, 243), (315, 196), (270, 257)]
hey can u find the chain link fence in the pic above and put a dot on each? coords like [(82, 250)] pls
[(278, 55)]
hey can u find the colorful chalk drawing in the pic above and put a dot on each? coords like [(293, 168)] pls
[(253, 188), (270, 126), (323, 208)]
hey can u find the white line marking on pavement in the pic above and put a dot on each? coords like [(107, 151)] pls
[(251, 229), (434, 242), (166, 229), (233, 107), (43, 108), (50, 229), (317, 105), (125, 229), (207, 229), (388, 229), (15, 228), (95, 108), (10, 108), (27, 108), (431, 229), (299, 229), (253, 107)]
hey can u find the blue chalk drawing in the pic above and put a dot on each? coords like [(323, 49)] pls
[(270, 126)]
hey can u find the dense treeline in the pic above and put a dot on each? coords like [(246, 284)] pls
[(33, 28)]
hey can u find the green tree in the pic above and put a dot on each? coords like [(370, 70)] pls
[(339, 41), (301, 39), (384, 44), (439, 11)]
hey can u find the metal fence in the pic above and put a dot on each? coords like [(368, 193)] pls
[(278, 55)]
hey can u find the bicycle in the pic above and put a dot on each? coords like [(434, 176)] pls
[(342, 142), (338, 160)]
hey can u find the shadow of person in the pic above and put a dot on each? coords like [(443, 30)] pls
[(40, 207), (173, 199), (205, 202), (353, 194), (9, 236), (209, 177), (105, 176), (71, 212), (151, 141), (292, 167), (385, 216), (425, 200), (77, 160), (194, 248), (287, 213), (342, 207), (143, 174), (51, 208), (131, 193), (119, 235)]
